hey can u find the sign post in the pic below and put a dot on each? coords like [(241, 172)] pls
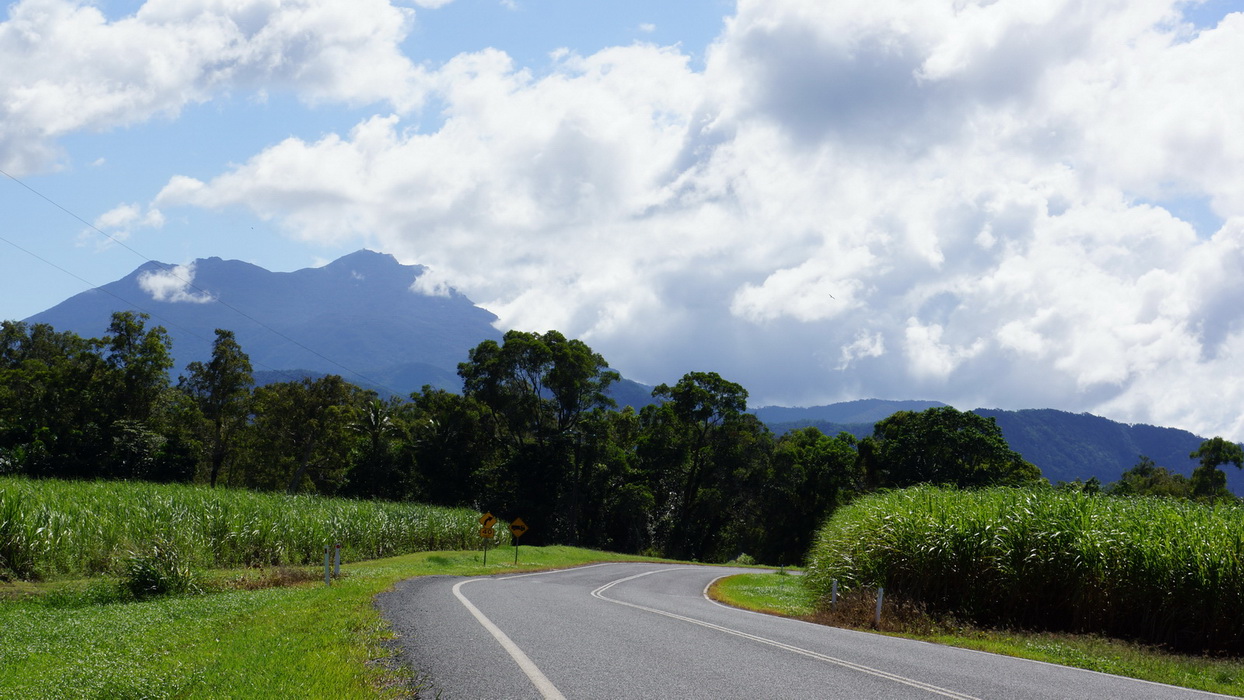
[(487, 520), (517, 528)]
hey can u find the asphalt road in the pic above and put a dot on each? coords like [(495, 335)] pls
[(648, 631)]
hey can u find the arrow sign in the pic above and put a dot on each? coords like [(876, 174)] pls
[(518, 527), (487, 520)]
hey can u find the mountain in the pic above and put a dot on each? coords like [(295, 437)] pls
[(357, 317), (1066, 446), (862, 411)]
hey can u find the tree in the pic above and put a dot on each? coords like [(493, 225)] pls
[(376, 459), (942, 446), (299, 437), (536, 386), (54, 409), (140, 359), (1208, 481), (537, 390), (221, 388), (699, 450), (455, 451), (1148, 479), (811, 474)]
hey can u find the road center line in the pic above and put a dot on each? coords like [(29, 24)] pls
[(598, 593), (538, 679)]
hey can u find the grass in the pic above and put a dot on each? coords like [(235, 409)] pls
[(789, 596), (63, 529), (258, 634), (1160, 571), (767, 593)]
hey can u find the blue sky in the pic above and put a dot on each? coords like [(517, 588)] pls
[(97, 169), (1000, 204)]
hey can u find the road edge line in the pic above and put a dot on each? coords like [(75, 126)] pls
[(537, 677)]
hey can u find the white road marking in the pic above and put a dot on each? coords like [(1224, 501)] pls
[(538, 679), (774, 643)]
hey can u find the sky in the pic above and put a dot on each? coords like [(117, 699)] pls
[(992, 203)]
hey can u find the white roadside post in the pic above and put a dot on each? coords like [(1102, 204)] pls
[(328, 580), (877, 617), (337, 562), (833, 594)]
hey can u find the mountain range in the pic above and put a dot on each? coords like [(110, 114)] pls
[(356, 316), (1066, 446), (361, 317)]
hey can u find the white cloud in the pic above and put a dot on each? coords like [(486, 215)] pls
[(64, 67), (961, 183), (173, 284), (118, 223), (126, 216), (865, 345)]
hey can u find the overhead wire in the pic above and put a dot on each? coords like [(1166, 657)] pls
[(172, 270)]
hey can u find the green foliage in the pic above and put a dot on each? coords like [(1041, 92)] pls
[(88, 408), (156, 570), (51, 528), (810, 475), (539, 394), (1165, 571), (1209, 483), (1148, 479), (299, 437), (221, 389), (942, 446), (704, 460)]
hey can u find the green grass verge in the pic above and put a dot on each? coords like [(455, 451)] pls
[(789, 596), (305, 640)]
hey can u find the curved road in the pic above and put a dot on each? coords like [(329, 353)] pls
[(640, 630)]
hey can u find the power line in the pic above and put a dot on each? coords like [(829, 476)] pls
[(172, 270)]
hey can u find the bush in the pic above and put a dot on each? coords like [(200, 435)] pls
[(159, 570)]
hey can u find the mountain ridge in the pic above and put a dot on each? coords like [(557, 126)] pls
[(356, 316)]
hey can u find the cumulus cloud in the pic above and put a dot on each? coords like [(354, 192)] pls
[(174, 284), (125, 216), (64, 67), (947, 200), (118, 223)]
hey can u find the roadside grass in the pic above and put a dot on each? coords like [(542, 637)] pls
[(254, 634), (789, 596)]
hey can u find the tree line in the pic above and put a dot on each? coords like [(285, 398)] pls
[(533, 434)]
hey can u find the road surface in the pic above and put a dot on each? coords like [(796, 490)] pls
[(640, 630)]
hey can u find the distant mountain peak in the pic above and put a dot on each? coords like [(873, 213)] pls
[(356, 316)]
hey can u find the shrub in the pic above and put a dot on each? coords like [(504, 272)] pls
[(158, 570)]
